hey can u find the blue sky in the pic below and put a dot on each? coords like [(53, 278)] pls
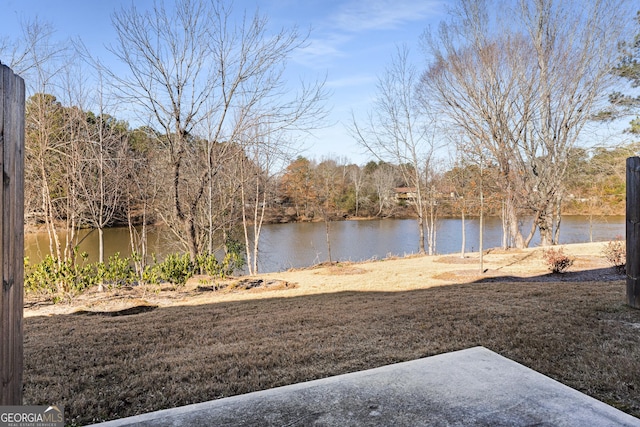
[(351, 42)]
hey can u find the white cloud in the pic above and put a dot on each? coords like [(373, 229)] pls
[(350, 20), (321, 51), (359, 15)]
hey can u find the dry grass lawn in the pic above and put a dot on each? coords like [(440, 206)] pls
[(129, 351)]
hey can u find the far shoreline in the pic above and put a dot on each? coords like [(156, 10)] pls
[(41, 229)]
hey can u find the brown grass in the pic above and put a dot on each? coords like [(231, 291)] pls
[(572, 328)]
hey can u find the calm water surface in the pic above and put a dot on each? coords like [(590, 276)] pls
[(286, 246)]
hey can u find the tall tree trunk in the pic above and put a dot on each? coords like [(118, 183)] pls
[(505, 226), (193, 240), (328, 236), (432, 224), (100, 244), (481, 231), (545, 227), (420, 209), (512, 220), (558, 222), (100, 254), (421, 247), (464, 232)]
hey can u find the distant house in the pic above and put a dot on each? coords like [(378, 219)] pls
[(405, 194)]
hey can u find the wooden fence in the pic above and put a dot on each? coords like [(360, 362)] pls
[(11, 235), (633, 231)]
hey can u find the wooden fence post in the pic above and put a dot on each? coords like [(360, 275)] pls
[(11, 235), (633, 231)]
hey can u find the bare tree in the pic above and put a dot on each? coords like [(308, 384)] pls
[(44, 122), (524, 90), (329, 180), (384, 179), (99, 153), (400, 129), (356, 174), (574, 61), (476, 87), (35, 55), (263, 153), (43, 63), (143, 176), (192, 64)]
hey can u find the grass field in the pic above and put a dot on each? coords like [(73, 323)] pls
[(101, 366)]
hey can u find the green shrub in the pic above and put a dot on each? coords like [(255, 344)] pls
[(176, 269), (151, 275), (58, 279), (208, 264), (117, 271), (42, 276), (233, 259)]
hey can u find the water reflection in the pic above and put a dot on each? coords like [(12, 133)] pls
[(285, 246)]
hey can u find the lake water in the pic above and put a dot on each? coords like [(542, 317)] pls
[(285, 246)]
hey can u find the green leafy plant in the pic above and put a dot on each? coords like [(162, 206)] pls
[(60, 279), (615, 253), (557, 260), (117, 271), (233, 259), (151, 275), (208, 264), (176, 269)]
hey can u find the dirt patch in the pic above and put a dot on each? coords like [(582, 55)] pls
[(342, 270), (457, 260), (459, 276)]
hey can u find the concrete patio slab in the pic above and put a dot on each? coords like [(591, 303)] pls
[(473, 387)]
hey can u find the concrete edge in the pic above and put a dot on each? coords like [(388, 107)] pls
[(476, 353)]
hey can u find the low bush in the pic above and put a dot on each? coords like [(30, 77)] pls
[(615, 253), (233, 259), (116, 271), (176, 269), (62, 279), (557, 260)]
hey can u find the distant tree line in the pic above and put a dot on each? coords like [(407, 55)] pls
[(93, 171), (89, 171), (595, 185)]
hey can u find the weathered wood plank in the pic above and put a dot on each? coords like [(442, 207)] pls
[(12, 103), (7, 337), (633, 231)]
